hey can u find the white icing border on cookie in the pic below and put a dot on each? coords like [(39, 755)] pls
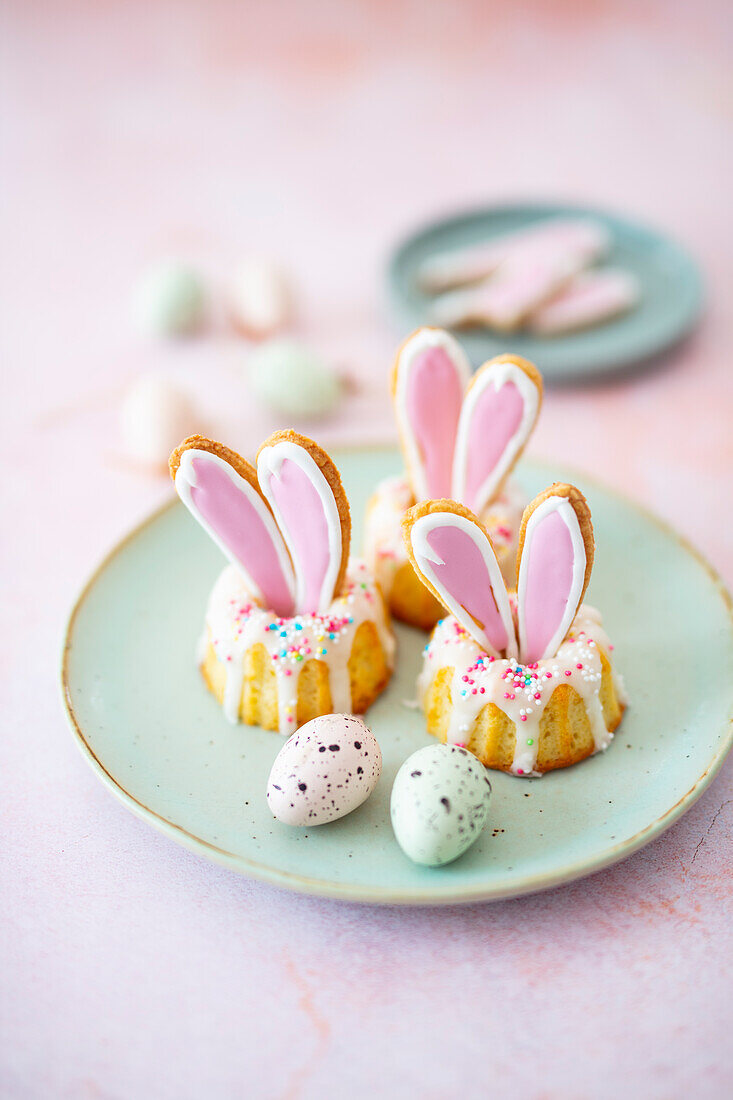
[(269, 463), (426, 557), (384, 548), (185, 480), (569, 517), (496, 375), (423, 340)]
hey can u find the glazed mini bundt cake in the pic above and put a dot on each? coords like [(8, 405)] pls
[(525, 719), (460, 436), (294, 629), (280, 672), (523, 680)]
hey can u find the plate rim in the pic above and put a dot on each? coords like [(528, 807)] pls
[(313, 887), (605, 365)]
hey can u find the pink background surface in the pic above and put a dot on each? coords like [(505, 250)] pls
[(320, 133)]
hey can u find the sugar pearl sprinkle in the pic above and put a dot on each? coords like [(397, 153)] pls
[(234, 623), (520, 691)]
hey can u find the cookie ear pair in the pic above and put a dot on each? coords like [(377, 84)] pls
[(461, 435), (285, 523), (452, 553)]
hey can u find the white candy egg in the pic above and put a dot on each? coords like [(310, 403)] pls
[(154, 417), (325, 770), (260, 298), (440, 801)]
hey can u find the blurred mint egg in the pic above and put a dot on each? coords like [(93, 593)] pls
[(169, 300), (292, 380)]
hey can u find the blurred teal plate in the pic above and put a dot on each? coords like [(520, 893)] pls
[(153, 734), (669, 307)]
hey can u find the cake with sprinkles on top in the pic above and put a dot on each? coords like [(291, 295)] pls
[(294, 628), (523, 679)]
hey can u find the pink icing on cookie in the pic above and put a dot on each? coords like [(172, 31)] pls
[(496, 419), (301, 510), (523, 284), (498, 414), (229, 507), (453, 555), (533, 269), (434, 396), (463, 573), (476, 262), (591, 297), (549, 582)]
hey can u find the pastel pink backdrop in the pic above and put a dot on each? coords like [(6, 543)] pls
[(320, 133)]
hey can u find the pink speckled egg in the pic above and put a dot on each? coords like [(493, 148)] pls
[(324, 771)]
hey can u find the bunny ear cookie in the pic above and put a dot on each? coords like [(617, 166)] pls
[(554, 563), (285, 525), (220, 490), (430, 375), (304, 490), (461, 446), (452, 553), (499, 412)]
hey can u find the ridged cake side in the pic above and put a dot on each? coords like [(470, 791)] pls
[(524, 719), (259, 705), (281, 672), (565, 732)]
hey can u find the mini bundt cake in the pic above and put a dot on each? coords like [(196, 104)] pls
[(294, 628), (523, 680), (525, 719), (280, 672)]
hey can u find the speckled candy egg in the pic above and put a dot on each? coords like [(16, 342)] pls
[(326, 769), (440, 801)]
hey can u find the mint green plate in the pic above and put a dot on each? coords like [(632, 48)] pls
[(144, 721), (669, 307)]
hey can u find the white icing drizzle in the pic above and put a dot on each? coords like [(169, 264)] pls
[(234, 623), (384, 549), (521, 692)]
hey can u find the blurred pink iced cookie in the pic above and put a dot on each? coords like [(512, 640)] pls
[(588, 299), (477, 262), (532, 271)]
